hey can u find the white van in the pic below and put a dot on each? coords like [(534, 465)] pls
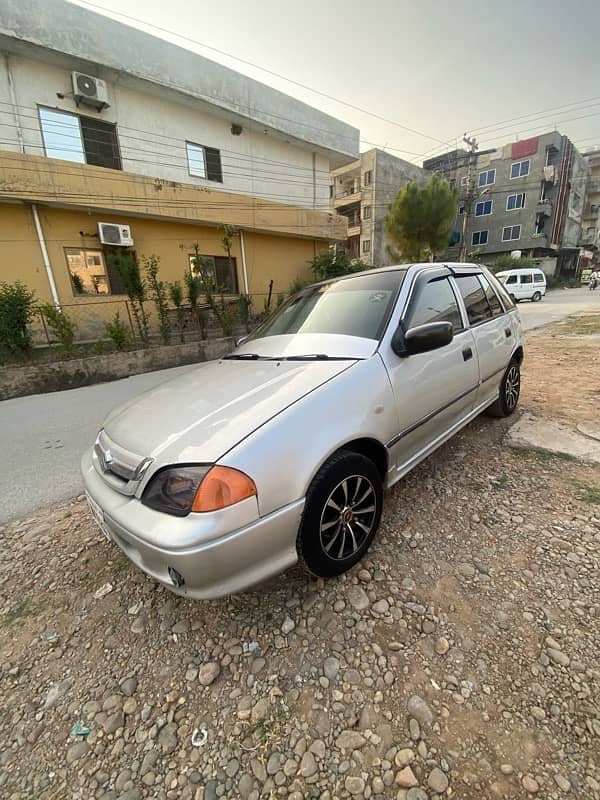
[(524, 284)]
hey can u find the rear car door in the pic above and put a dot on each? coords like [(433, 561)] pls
[(435, 390), (491, 329)]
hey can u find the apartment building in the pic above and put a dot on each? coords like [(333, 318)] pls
[(590, 229), (112, 139), (362, 192), (526, 195)]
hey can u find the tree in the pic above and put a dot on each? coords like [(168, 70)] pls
[(419, 222), (133, 284), (204, 269), (158, 294)]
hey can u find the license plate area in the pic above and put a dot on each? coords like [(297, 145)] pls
[(98, 515)]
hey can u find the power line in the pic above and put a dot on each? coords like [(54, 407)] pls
[(263, 69)]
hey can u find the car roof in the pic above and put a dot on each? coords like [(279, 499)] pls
[(520, 270)]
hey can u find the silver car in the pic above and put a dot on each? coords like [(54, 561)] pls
[(279, 452)]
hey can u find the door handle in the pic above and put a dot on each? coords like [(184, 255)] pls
[(507, 333), (467, 354)]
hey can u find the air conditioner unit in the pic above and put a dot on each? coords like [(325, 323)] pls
[(89, 91), (117, 235)]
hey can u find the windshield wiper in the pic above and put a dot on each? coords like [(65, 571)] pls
[(243, 356), (317, 357)]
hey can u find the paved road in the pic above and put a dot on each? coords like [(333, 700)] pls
[(557, 305), (43, 436)]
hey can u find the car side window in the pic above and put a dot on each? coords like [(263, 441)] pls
[(478, 309), (538, 278), (492, 298), (527, 278), (436, 303), (511, 279)]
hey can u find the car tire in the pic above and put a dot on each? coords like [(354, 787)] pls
[(514, 299), (341, 515), (510, 389), (536, 297)]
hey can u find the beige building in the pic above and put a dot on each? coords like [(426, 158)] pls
[(116, 141), (362, 192), (590, 228)]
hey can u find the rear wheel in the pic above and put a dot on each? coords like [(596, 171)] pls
[(510, 389), (341, 515), (536, 296)]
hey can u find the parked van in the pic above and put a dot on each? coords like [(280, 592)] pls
[(524, 284)]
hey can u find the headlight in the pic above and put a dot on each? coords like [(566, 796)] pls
[(179, 490)]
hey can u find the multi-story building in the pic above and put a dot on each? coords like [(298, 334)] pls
[(590, 229), (112, 139), (526, 196), (362, 192)]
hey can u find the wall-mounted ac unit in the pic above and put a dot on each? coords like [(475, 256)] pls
[(89, 91), (117, 235)]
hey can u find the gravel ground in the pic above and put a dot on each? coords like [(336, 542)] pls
[(459, 660)]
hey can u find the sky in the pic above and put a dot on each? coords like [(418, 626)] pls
[(434, 69)]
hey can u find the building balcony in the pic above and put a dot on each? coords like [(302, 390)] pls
[(346, 197), (544, 207), (353, 228), (66, 184)]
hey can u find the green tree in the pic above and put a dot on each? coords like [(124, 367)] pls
[(419, 222), (16, 312), (204, 269), (61, 325), (193, 291), (176, 295), (331, 265), (158, 294), (229, 232)]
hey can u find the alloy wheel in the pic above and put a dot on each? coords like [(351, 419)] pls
[(512, 386), (347, 517)]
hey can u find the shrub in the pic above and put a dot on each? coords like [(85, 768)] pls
[(510, 262), (134, 287), (158, 294), (296, 286), (16, 311), (331, 265), (245, 304), (61, 325), (118, 332), (176, 296)]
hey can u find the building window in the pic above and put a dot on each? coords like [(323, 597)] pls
[(88, 272), (515, 201), (330, 191), (72, 137), (487, 178), (366, 212), (461, 208), (464, 180), (479, 237), (511, 233), (366, 247), (204, 162), (519, 169), (223, 273), (484, 208), (368, 178)]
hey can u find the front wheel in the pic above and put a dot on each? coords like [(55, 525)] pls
[(341, 515), (510, 389), (536, 296)]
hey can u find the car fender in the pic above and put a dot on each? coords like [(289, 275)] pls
[(283, 456)]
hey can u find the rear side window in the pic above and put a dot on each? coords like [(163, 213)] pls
[(494, 303), (478, 309), (538, 278), (436, 303), (527, 278)]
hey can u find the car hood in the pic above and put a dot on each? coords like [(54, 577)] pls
[(203, 413)]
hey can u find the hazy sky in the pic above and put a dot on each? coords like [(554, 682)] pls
[(438, 67)]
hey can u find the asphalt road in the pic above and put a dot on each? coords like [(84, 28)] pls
[(43, 436)]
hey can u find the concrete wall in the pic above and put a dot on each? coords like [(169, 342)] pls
[(18, 381), (153, 131), (97, 44)]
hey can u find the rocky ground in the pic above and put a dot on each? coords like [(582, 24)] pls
[(459, 660)]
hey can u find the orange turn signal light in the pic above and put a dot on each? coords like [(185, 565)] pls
[(222, 487)]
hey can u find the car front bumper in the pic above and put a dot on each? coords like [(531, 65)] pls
[(211, 562)]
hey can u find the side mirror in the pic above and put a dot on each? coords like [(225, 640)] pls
[(422, 338), (240, 340)]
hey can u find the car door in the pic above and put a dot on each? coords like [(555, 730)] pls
[(491, 329), (512, 286), (433, 391)]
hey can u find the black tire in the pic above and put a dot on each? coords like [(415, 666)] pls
[(510, 389), (536, 297), (334, 534), (514, 299)]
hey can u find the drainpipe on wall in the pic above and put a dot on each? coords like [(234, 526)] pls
[(13, 100), (46, 260), (244, 270)]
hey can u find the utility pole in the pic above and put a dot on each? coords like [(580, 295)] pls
[(473, 146)]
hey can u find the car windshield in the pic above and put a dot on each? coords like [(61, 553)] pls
[(358, 306)]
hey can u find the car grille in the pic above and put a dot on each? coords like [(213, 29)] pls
[(120, 468)]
